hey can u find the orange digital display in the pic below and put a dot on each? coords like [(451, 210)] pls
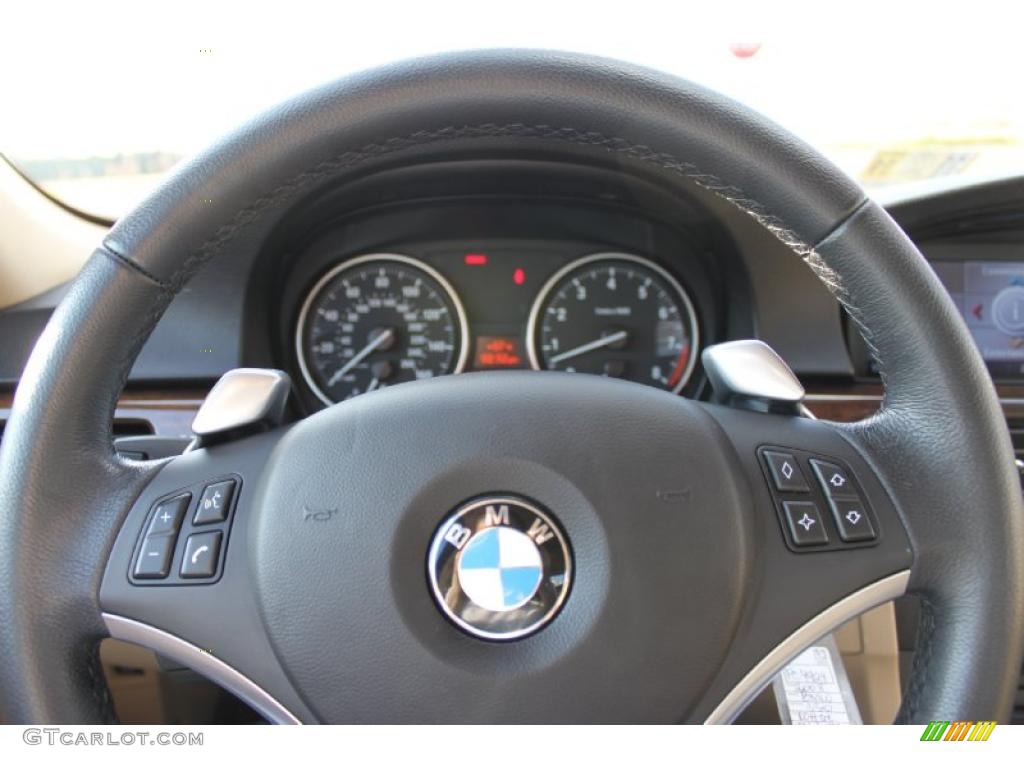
[(498, 352)]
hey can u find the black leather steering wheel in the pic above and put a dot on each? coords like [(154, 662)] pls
[(685, 596)]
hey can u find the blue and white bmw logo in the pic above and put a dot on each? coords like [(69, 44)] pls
[(500, 568)]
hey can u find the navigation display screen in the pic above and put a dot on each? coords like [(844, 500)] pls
[(990, 296)]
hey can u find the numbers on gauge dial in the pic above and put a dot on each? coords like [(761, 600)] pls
[(376, 323), (617, 316)]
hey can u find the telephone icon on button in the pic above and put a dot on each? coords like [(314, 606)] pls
[(202, 553)]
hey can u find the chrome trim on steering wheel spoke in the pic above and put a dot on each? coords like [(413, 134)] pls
[(206, 664), (762, 674)]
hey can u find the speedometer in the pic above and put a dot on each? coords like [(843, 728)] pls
[(618, 315), (378, 320)]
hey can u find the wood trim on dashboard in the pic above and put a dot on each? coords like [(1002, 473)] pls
[(843, 403), (169, 413), (853, 402), (166, 413)]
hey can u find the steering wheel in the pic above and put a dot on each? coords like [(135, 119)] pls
[(667, 582)]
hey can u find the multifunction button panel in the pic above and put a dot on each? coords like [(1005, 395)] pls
[(185, 535), (818, 500)]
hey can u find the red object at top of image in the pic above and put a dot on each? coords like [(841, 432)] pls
[(744, 50)]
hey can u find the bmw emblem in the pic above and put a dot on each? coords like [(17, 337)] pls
[(500, 568)]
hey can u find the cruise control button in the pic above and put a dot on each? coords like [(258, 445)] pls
[(852, 521), (806, 527), (155, 557), (215, 503), (201, 553), (834, 480), (168, 515), (786, 472)]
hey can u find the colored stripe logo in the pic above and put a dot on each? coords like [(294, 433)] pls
[(960, 730)]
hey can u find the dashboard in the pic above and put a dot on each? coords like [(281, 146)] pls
[(566, 277), (973, 238), (528, 263)]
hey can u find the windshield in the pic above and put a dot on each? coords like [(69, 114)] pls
[(100, 101)]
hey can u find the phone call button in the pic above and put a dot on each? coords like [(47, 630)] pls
[(202, 551)]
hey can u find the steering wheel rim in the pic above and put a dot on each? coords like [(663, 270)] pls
[(57, 449)]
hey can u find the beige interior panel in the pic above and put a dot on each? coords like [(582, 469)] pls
[(41, 244), (871, 653), (135, 680)]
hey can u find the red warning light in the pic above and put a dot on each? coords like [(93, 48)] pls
[(519, 276), (475, 259)]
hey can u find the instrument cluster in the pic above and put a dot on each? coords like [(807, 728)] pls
[(377, 319)]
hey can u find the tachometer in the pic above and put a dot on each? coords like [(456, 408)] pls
[(377, 320), (615, 314)]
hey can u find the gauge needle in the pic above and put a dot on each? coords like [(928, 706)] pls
[(604, 341), (378, 341)]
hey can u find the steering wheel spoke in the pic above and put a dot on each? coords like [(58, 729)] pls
[(179, 579), (830, 545)]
